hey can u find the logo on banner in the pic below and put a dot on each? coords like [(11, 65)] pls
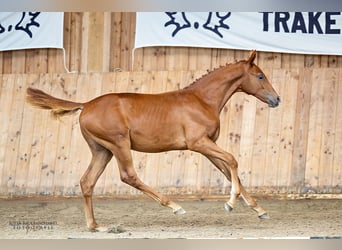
[(215, 22), (26, 21)]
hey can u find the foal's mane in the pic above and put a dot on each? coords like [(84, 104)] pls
[(215, 70)]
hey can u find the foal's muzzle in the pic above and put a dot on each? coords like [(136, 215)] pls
[(273, 101)]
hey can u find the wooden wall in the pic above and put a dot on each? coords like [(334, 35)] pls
[(295, 148), (103, 42)]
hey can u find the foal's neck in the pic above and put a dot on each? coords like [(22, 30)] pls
[(216, 87)]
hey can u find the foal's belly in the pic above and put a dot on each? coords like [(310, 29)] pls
[(156, 141)]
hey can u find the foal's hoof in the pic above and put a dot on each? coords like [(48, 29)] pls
[(264, 216), (100, 229), (179, 211), (228, 207), (116, 230)]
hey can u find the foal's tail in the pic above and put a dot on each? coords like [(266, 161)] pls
[(57, 106)]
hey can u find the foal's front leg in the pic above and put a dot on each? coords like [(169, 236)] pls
[(208, 148), (246, 196)]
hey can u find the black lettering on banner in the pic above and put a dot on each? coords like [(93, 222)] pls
[(329, 21), (2, 29), (265, 20), (311, 23), (314, 23), (215, 21), (27, 20), (281, 17), (179, 20), (298, 23)]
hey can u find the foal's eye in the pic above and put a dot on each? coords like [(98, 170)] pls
[(261, 76)]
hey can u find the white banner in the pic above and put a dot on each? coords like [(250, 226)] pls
[(288, 32), (29, 30)]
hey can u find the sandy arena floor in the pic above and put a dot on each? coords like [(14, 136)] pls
[(63, 218)]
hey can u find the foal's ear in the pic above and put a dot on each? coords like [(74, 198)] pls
[(251, 57)]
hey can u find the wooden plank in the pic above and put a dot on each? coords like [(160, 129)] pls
[(1, 61), (277, 77), (42, 59), (85, 42), (175, 58), (312, 61), (59, 58), (52, 67), (333, 61), (315, 132), (160, 54), (337, 170), (95, 41), (40, 119), (46, 185), (242, 55), (203, 58), (260, 143), (285, 61), (126, 36), (74, 47), (137, 59), (301, 128), (247, 140), (192, 60), (269, 60), (106, 42), (329, 116), (289, 97), (63, 159), (149, 59), (7, 62), (20, 61), (324, 61), (26, 135), (131, 40), (115, 41), (67, 38), (6, 142), (31, 65), (14, 134), (215, 58)]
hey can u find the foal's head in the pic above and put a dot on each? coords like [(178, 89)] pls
[(257, 84)]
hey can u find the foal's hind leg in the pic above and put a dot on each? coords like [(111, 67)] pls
[(246, 196), (128, 175), (101, 157)]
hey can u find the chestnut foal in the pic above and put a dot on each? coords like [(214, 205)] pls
[(186, 119)]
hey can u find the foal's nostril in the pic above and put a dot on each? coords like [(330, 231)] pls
[(278, 98)]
